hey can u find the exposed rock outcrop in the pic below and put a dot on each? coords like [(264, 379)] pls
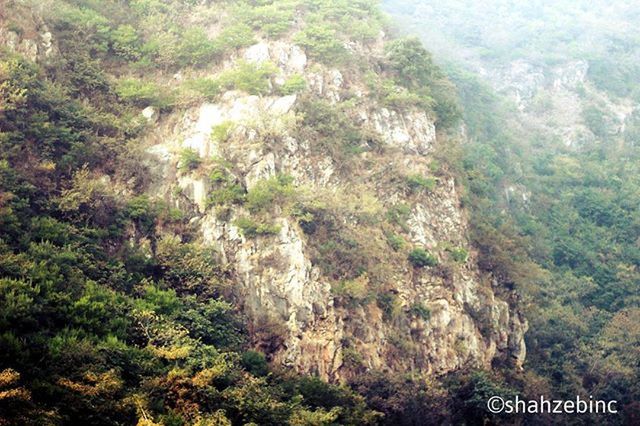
[(554, 100), (449, 317), (25, 32)]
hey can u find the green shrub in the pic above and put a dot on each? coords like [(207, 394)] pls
[(294, 84), (235, 37), (321, 43), (420, 311), (364, 29), (93, 27), (352, 358), (332, 131), (86, 75), (399, 214), (401, 98), (230, 194), (164, 302), (189, 160), (255, 363), (411, 62), (459, 254), (126, 43), (305, 217), (190, 47), (274, 19), (396, 242), (355, 290), (46, 228), (338, 254), (446, 103), (615, 74), (421, 258), (414, 69), (161, 50), (269, 192), (222, 131), (595, 118), (134, 90), (251, 228), (143, 93), (390, 304), (435, 166), (207, 88), (143, 213), (393, 95), (219, 176), (227, 190), (195, 48), (418, 183), (248, 77)]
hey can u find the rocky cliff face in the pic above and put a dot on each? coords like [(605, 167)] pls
[(433, 320), (560, 90), (24, 31), (440, 318), (555, 99)]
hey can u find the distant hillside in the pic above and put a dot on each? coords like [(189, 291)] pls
[(550, 98)]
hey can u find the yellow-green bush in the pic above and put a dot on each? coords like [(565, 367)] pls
[(421, 258), (294, 84), (144, 93), (321, 42), (265, 194), (252, 228), (189, 160), (248, 77)]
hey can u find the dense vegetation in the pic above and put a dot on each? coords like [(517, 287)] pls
[(545, 33), (571, 251), (112, 313), (558, 223)]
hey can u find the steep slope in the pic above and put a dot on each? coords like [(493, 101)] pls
[(23, 30), (192, 189), (367, 307), (550, 96)]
